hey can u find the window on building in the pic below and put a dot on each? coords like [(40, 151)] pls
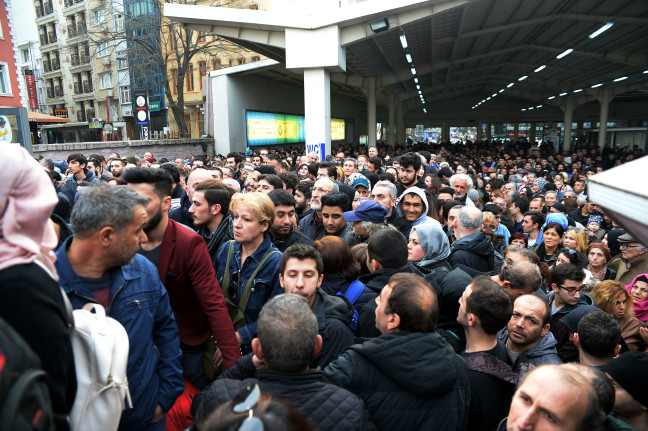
[(105, 80), (122, 63), (103, 49), (174, 80), (24, 55), (254, 7), (124, 95), (190, 78), (99, 16), (173, 43), (188, 123), (201, 37), (231, 62), (216, 64), (142, 7), (240, 61), (202, 71), (256, 58), (118, 23), (5, 85)]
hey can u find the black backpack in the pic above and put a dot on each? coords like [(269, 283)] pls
[(24, 395)]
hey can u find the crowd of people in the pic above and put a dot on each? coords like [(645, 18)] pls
[(467, 287)]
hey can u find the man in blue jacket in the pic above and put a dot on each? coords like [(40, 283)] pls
[(100, 264)]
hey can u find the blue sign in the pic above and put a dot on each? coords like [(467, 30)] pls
[(320, 149)]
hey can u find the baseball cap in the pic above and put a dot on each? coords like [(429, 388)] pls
[(370, 211), (360, 181)]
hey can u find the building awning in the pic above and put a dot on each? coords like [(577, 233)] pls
[(37, 117), (621, 193)]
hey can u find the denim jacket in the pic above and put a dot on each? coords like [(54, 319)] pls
[(265, 285), (140, 303)]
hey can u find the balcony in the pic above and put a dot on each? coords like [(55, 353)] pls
[(78, 88), (72, 31), (87, 87), (58, 91), (47, 66), (55, 64), (50, 93), (81, 116), (52, 37), (43, 39)]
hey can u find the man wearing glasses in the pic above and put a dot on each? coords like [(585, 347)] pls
[(633, 261), (566, 296)]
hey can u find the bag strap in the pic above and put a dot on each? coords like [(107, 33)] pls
[(354, 291), (68, 309), (248, 286), (226, 274)]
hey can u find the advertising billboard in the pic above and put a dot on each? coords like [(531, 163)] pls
[(271, 128), (337, 129)]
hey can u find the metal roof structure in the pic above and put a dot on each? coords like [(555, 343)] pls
[(485, 56)]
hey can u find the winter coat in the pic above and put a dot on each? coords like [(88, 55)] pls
[(294, 237), (308, 227), (542, 353), (474, 250), (71, 184), (567, 350), (140, 303), (408, 381), (333, 284), (399, 223), (626, 272), (224, 233), (433, 240), (327, 407), (334, 314)]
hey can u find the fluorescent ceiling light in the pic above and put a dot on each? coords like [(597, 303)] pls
[(562, 94), (523, 109), (488, 98), (530, 108), (403, 39), (551, 97), (539, 106), (578, 91), (540, 68), (423, 101), (418, 87), (415, 80), (564, 53), (510, 85), (645, 71), (620, 79), (522, 78), (596, 85), (424, 111), (408, 56), (494, 94), (413, 71), (501, 91), (606, 26)]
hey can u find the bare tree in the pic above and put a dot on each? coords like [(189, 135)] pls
[(155, 44)]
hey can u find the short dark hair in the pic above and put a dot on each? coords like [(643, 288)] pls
[(560, 230), (281, 197), (289, 179), (490, 303), (78, 157), (386, 176), (273, 156), (273, 180), (172, 170), (336, 199), (306, 187), (536, 217), (566, 271), (215, 192), (410, 159), (522, 204), (160, 179), (392, 257), (238, 157), (599, 334), (414, 301), (492, 208), (301, 252), (376, 162), (330, 169)]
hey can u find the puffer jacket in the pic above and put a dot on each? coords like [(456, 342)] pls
[(475, 251), (140, 303), (542, 353), (408, 381), (327, 407)]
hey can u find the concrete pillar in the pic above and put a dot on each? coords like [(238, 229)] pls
[(488, 131), (569, 116), (400, 124), (317, 107), (604, 100), (532, 133), (371, 112), (392, 119), (516, 131)]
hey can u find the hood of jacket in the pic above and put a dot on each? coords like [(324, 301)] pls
[(546, 345), (422, 363), (378, 279), (434, 241), (420, 193), (331, 307), (476, 243)]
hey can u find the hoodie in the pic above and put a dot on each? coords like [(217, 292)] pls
[(408, 381), (475, 251), (542, 353), (424, 218)]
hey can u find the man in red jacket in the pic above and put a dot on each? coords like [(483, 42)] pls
[(185, 270)]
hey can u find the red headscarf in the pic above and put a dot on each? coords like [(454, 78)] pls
[(640, 308)]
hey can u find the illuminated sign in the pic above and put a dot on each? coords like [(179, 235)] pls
[(268, 128)]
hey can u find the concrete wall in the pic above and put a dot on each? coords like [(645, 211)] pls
[(168, 148)]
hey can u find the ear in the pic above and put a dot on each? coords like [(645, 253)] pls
[(281, 281), (617, 350), (215, 209), (577, 340), (506, 285), (256, 349), (472, 320), (319, 282), (318, 345), (545, 329), (166, 203), (107, 236), (554, 287), (393, 322)]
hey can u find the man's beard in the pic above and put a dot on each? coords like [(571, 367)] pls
[(458, 196), (153, 222), (410, 183)]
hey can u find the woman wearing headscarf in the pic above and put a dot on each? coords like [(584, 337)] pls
[(639, 292), (427, 251), (30, 297)]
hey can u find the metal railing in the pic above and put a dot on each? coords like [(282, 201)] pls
[(51, 37), (43, 39), (87, 87), (47, 65), (50, 92), (55, 64), (58, 91), (78, 88)]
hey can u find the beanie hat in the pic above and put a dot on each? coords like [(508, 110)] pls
[(630, 371), (595, 219), (541, 182)]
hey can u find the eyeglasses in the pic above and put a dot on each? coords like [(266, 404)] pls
[(572, 290), (245, 401), (629, 246), (233, 285), (321, 190)]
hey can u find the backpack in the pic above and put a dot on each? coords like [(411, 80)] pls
[(100, 345), (25, 402), (352, 293)]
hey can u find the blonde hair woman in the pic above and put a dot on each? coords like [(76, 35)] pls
[(576, 239), (613, 298)]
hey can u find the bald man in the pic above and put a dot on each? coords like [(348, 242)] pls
[(181, 214)]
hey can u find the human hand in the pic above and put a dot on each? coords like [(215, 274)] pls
[(643, 332), (158, 414), (239, 340), (218, 357)]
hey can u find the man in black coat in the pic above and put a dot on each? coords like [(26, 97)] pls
[(283, 231), (409, 377), (287, 338), (386, 256), (472, 247)]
